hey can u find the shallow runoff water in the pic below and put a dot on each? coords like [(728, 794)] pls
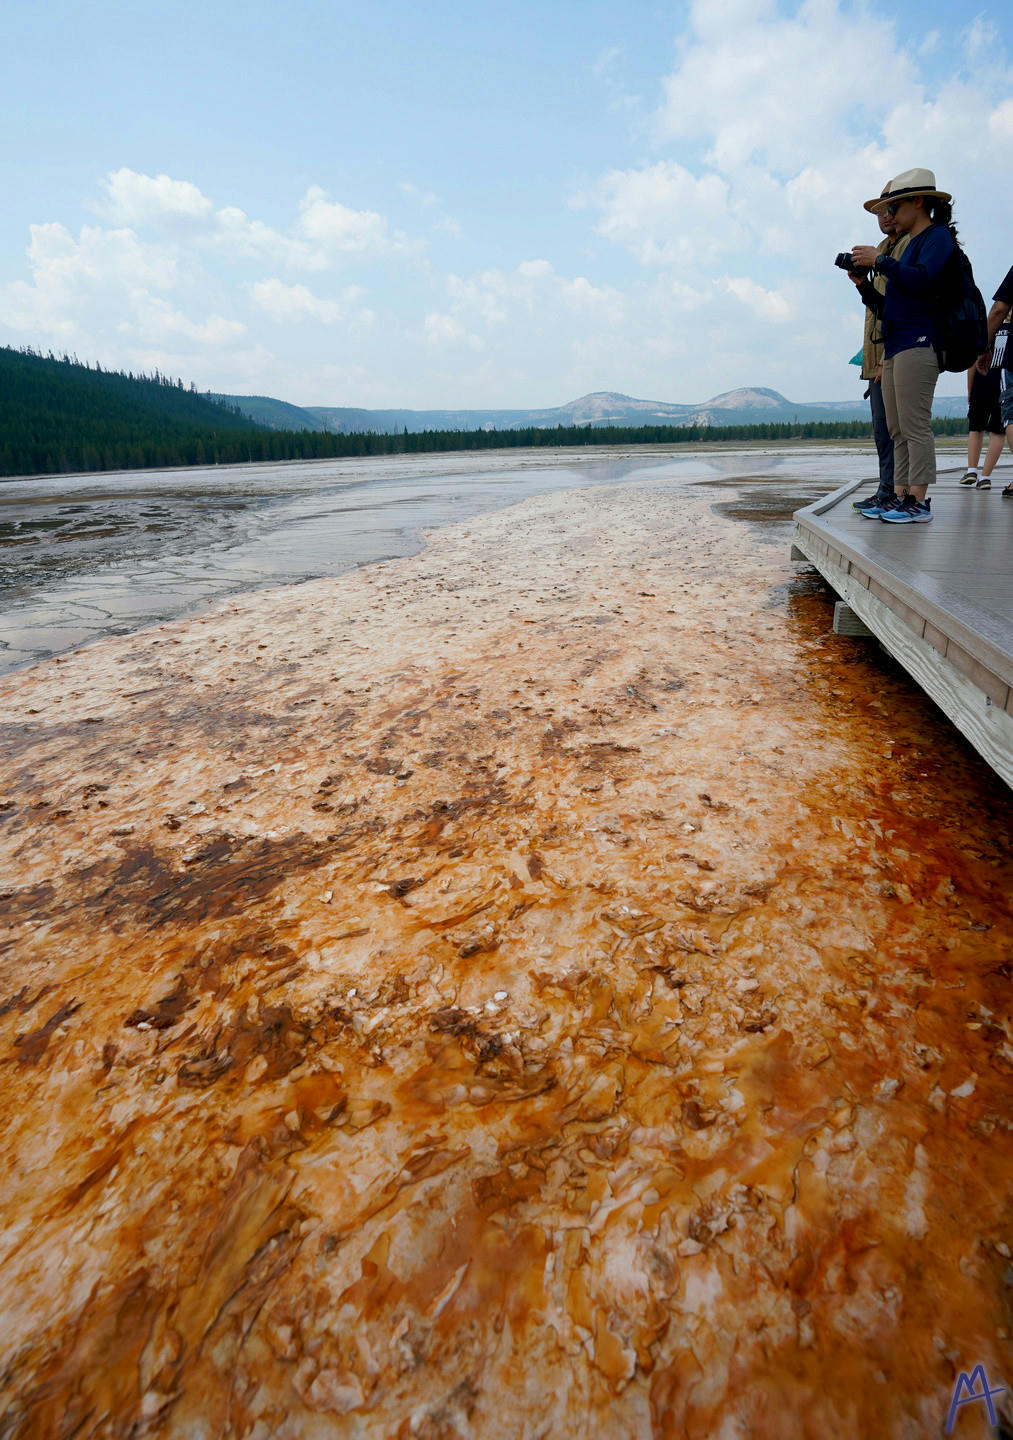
[(86, 556)]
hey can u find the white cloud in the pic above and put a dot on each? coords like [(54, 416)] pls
[(481, 297), (982, 41), (333, 228), (768, 304), (155, 322), (172, 276), (773, 128), (663, 213), (324, 233), (1000, 122), (100, 290), (153, 201), (34, 318), (242, 369), (235, 235), (769, 103), (113, 294), (676, 297), (293, 304), (289, 303), (514, 317), (444, 331), (584, 298), (498, 297), (61, 263), (74, 280), (759, 87)]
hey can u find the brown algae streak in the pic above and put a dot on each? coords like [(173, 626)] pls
[(546, 986)]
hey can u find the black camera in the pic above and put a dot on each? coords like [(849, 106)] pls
[(845, 261)]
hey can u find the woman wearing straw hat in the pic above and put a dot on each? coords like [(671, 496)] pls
[(910, 366)]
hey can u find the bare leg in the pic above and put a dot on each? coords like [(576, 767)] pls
[(995, 444), (975, 439)]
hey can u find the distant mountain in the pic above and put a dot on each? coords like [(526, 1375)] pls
[(275, 414), (949, 405), (753, 405), (347, 422)]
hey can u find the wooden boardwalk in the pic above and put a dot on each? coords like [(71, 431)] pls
[(939, 597)]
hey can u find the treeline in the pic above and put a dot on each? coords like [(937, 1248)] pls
[(58, 416)]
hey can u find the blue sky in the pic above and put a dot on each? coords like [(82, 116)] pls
[(453, 205)]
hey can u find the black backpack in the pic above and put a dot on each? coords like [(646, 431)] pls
[(961, 324)]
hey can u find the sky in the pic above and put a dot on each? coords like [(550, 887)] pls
[(471, 205)]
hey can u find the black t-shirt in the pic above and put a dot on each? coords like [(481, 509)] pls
[(1002, 349)]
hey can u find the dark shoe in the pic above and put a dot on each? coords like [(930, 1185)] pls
[(984, 482), (911, 512), (1007, 494), (877, 509), (861, 504), (970, 477)]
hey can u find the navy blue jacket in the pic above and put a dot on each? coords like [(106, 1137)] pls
[(912, 283)]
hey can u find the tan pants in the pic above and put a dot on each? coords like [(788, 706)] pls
[(909, 383)]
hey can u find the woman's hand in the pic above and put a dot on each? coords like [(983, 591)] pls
[(864, 256)]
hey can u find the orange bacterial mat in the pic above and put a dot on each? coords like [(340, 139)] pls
[(545, 987)]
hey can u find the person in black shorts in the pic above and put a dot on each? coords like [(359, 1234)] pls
[(983, 414), (1002, 357)]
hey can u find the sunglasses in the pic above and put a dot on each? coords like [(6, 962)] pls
[(891, 210)]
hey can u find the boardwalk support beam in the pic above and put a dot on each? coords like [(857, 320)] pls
[(846, 622)]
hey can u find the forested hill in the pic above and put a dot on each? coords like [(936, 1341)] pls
[(61, 416)]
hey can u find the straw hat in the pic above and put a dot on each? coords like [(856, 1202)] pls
[(908, 182)]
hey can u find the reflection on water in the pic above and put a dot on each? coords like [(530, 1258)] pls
[(98, 555), (545, 987)]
